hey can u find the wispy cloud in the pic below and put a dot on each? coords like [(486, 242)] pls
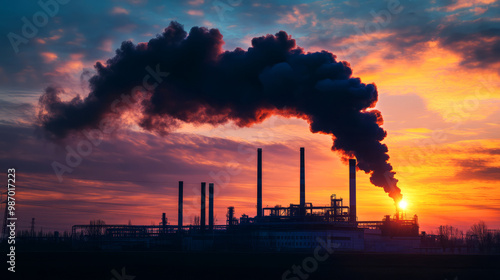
[(195, 12), (196, 2), (48, 57), (119, 11)]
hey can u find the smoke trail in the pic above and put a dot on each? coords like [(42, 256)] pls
[(208, 85)]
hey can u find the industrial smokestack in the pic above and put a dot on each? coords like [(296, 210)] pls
[(259, 182), (211, 206), (164, 223), (203, 211), (302, 183), (352, 190), (179, 205)]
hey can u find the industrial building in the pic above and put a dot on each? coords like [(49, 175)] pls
[(297, 227)]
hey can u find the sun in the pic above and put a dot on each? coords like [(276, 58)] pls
[(402, 204)]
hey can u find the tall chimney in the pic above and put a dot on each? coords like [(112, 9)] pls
[(203, 211), (179, 205), (259, 182), (211, 206), (352, 190), (164, 223), (302, 183)]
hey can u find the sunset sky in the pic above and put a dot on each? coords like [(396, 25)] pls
[(436, 65)]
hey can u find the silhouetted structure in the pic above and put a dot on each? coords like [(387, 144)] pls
[(352, 190), (211, 206), (164, 223), (259, 182), (300, 226), (203, 210), (231, 220), (302, 182), (32, 231), (179, 205)]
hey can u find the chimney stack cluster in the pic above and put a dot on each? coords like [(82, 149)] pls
[(302, 205)]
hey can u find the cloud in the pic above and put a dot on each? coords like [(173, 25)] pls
[(17, 113), (462, 4), (478, 42), (195, 12), (488, 151), (298, 18), (133, 175), (137, 2), (470, 30), (274, 77), (48, 57), (477, 169), (119, 11), (196, 2), (107, 45), (478, 10)]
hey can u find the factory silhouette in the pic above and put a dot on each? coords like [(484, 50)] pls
[(198, 82), (297, 227)]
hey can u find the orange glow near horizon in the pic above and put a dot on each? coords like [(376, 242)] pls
[(442, 121), (428, 172)]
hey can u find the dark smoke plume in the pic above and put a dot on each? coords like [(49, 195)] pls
[(208, 85)]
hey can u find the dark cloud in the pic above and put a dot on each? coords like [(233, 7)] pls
[(491, 151), (478, 42), (474, 36), (477, 169)]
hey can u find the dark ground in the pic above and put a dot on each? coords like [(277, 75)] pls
[(172, 265)]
